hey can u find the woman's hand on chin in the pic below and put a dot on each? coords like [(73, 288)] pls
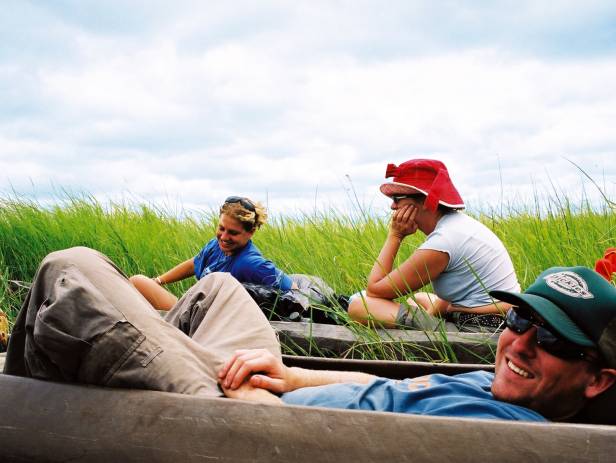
[(403, 221)]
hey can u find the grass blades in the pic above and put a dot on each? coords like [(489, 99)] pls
[(338, 247)]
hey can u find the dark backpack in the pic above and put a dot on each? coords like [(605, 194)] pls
[(314, 299)]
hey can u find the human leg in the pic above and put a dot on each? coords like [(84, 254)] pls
[(430, 302), (220, 315), (364, 309), (390, 314), (84, 322), (159, 297)]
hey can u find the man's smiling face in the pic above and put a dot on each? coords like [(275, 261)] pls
[(527, 375)]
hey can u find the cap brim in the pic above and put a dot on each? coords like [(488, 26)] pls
[(550, 312), (393, 188)]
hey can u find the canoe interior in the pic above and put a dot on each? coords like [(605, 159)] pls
[(387, 369)]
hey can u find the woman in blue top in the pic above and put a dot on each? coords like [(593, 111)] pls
[(231, 251)]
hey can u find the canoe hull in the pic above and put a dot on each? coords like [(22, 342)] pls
[(45, 421)]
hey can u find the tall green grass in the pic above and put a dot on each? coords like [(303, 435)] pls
[(337, 247)]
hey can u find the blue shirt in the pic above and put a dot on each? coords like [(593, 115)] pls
[(247, 265), (466, 395)]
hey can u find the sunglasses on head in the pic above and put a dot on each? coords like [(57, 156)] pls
[(244, 202), (521, 320)]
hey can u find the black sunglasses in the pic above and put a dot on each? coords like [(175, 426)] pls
[(397, 198), (244, 202), (520, 321)]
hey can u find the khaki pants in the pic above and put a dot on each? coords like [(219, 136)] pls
[(83, 322)]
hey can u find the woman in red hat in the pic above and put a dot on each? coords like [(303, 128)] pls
[(460, 257)]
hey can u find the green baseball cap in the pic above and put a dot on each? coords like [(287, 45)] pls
[(578, 303)]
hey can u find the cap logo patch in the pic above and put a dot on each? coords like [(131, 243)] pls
[(569, 284)]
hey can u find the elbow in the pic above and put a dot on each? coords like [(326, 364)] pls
[(380, 296), (385, 289), (370, 290), (373, 290)]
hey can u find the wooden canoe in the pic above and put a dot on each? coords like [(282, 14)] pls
[(45, 421), (334, 341)]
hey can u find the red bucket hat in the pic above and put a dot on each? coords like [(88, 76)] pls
[(426, 176)]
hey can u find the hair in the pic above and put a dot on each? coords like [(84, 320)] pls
[(598, 363), (446, 209), (420, 197), (250, 220)]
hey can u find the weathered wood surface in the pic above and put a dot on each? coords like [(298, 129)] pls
[(43, 421), (339, 341)]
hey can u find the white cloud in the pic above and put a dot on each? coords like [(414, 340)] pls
[(285, 101)]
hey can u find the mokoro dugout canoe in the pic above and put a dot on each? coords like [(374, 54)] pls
[(305, 338), (46, 421)]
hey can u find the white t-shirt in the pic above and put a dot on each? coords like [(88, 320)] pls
[(478, 261)]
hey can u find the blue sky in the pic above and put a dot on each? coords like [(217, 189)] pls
[(183, 103)]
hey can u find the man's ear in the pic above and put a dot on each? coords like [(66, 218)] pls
[(602, 381)]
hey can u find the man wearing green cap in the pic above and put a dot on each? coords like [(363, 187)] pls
[(574, 312), (557, 353), (83, 322)]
